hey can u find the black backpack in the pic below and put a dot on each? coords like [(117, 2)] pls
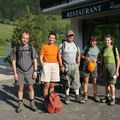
[(17, 56), (82, 60)]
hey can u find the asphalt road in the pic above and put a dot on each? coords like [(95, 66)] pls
[(75, 111)]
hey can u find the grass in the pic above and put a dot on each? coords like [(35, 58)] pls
[(2, 50), (6, 32)]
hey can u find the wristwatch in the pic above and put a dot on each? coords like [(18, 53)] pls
[(35, 70)]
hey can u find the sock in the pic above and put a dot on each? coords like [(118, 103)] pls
[(113, 97), (107, 95), (77, 92), (67, 91)]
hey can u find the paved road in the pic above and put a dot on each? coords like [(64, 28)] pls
[(5, 70), (74, 111)]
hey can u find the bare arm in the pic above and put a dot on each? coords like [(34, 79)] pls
[(14, 69), (35, 69), (78, 58), (41, 60), (35, 64), (117, 66), (60, 59), (62, 67), (84, 57)]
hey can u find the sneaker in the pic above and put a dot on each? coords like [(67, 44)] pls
[(32, 106), (67, 99), (96, 98), (79, 99), (105, 100), (112, 102), (85, 98), (20, 107)]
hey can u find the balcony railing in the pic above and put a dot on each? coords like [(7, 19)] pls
[(51, 3)]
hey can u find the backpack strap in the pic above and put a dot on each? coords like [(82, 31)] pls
[(17, 52), (86, 50), (31, 51), (63, 47), (17, 56), (115, 54)]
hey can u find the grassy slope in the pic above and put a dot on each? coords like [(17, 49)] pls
[(5, 33)]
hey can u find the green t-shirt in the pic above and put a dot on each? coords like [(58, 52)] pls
[(108, 55)]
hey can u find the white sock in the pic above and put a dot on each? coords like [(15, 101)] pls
[(113, 97), (77, 92), (108, 95), (67, 91)]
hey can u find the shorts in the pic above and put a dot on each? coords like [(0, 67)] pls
[(50, 72), (25, 79), (108, 72), (85, 72), (74, 81)]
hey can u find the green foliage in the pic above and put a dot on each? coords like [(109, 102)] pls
[(47, 23), (13, 9), (26, 24)]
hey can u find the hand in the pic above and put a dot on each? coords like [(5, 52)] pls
[(87, 59), (42, 65), (34, 75), (16, 77), (116, 73), (94, 60), (62, 69)]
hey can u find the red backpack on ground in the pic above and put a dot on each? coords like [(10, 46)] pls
[(54, 103)]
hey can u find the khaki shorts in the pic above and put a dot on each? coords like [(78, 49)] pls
[(85, 72), (73, 82), (108, 72), (50, 72), (25, 79)]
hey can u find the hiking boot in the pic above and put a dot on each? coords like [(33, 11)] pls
[(105, 100), (45, 104), (67, 99), (85, 98), (79, 99), (32, 106), (96, 98), (20, 107), (112, 101)]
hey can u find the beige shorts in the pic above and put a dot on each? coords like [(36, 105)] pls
[(50, 72)]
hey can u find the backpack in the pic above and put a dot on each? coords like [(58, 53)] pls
[(91, 66), (17, 56), (82, 60), (54, 103), (114, 52)]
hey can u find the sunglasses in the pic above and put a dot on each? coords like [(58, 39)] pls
[(70, 35)]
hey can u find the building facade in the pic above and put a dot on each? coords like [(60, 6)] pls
[(87, 16)]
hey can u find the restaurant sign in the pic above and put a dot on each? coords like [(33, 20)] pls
[(91, 9)]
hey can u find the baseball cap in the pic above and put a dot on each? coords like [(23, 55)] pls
[(70, 32)]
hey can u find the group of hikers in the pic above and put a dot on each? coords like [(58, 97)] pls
[(68, 61)]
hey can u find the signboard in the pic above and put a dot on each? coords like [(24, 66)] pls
[(91, 9)]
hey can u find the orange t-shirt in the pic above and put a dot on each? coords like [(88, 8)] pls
[(50, 53)]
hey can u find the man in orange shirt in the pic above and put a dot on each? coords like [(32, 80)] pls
[(49, 59)]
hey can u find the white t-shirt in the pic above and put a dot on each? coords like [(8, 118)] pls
[(69, 52)]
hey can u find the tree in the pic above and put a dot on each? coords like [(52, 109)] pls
[(26, 24)]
